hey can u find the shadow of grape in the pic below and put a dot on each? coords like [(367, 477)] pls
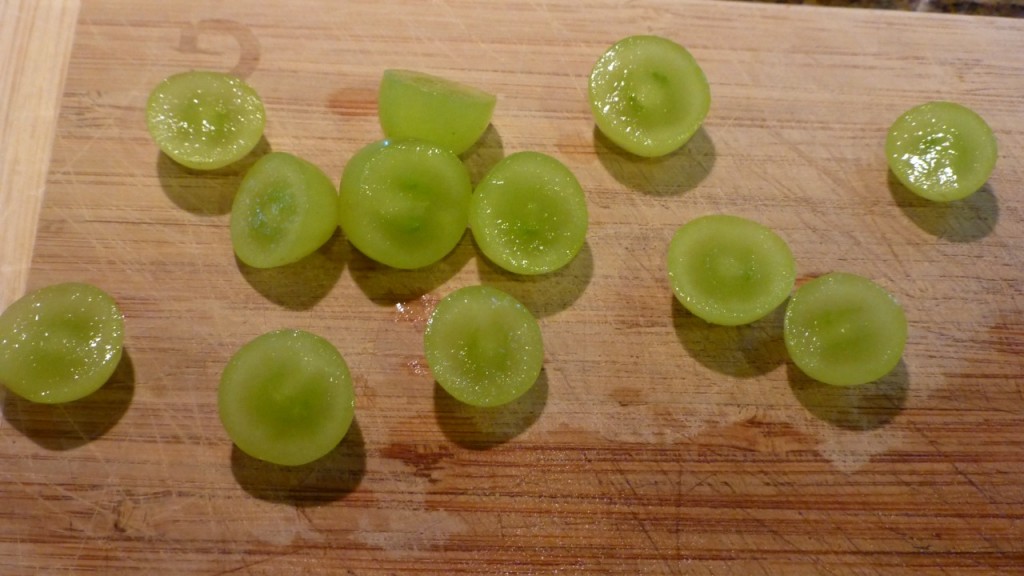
[(73, 424), (484, 428), (322, 481), (206, 192), (863, 407), (542, 294), (300, 285), (387, 286), (674, 173), (967, 220), (484, 154), (741, 351)]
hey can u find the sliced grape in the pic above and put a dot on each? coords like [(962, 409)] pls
[(418, 106), (529, 214), (648, 95), (60, 343), (404, 204), (941, 151), (205, 120), (483, 347), (286, 397), (843, 329), (729, 270), (284, 210)]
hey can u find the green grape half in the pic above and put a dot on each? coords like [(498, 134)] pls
[(529, 214), (205, 120), (404, 204), (284, 210), (648, 95), (729, 270), (843, 329), (286, 397), (941, 151), (60, 343), (418, 106), (483, 346)]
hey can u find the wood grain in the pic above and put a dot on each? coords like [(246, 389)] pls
[(653, 443), (35, 40)]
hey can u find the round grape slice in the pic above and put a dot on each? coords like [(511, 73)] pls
[(729, 270), (843, 329), (941, 151), (286, 397), (529, 215), (205, 120), (404, 204), (418, 106), (648, 95), (60, 343), (483, 346), (284, 210)]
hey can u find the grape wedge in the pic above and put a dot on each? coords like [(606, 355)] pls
[(286, 397), (418, 106), (284, 210), (205, 120), (941, 151), (483, 346), (729, 270), (845, 330), (648, 95), (60, 343), (404, 204), (529, 214)]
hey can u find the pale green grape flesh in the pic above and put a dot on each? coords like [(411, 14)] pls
[(418, 106), (845, 330), (205, 120), (60, 343), (729, 270), (483, 347), (648, 95), (286, 397), (404, 204), (284, 210), (941, 151), (529, 214)]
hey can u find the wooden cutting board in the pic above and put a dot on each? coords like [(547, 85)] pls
[(653, 443)]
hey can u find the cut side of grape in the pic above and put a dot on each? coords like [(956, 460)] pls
[(404, 204), (941, 151), (843, 329), (483, 346), (60, 343), (205, 120), (418, 106), (284, 210), (529, 214), (648, 95), (729, 270), (286, 397)]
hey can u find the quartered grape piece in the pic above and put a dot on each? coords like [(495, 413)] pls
[(284, 210), (483, 347), (529, 214), (648, 95), (205, 120), (418, 106), (404, 204), (286, 397), (729, 270), (843, 329), (941, 151), (60, 343)]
